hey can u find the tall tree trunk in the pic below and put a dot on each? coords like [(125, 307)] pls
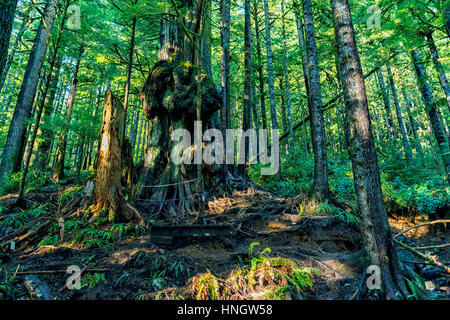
[(387, 105), (260, 68), (302, 47), (225, 120), (7, 13), (286, 77), (273, 105), (430, 108), (10, 158), (44, 132), (25, 23), (316, 111), (60, 156), (447, 19), (246, 123), (439, 68), (401, 124), (414, 127), (172, 101), (130, 67), (376, 232)]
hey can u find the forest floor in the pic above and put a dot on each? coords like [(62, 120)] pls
[(138, 267)]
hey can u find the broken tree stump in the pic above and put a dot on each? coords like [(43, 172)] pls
[(108, 193)]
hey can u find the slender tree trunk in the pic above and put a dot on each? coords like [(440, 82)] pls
[(225, 120), (7, 13), (387, 105), (286, 76), (447, 19), (401, 124), (376, 232), (14, 142), (430, 107), (283, 107), (246, 123), (273, 105), (316, 107), (45, 134), (23, 26), (260, 68), (58, 165), (130, 67), (439, 68), (414, 128)]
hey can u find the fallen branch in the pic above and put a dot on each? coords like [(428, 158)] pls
[(433, 247), (59, 271), (421, 225), (424, 257), (421, 262)]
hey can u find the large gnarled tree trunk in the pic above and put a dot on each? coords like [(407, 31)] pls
[(170, 101)]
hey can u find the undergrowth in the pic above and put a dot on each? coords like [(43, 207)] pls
[(259, 277)]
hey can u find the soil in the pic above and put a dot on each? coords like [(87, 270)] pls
[(141, 268)]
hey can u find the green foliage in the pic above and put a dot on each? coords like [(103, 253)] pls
[(424, 198), (206, 287), (19, 220), (92, 280)]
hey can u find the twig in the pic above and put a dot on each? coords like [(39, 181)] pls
[(60, 271), (424, 257), (433, 247), (421, 225), (421, 262)]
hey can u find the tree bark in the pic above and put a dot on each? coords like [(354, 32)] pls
[(286, 78), (260, 69), (376, 232), (10, 158), (387, 105), (414, 127), (432, 112), (108, 188), (130, 67), (172, 101), (401, 124), (246, 120), (45, 134), (316, 107), (25, 23), (447, 19), (273, 105), (439, 68), (7, 13)]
